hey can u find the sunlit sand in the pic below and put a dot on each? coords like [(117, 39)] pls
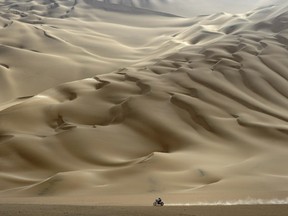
[(119, 102)]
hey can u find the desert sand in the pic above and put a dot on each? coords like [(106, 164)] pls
[(60, 210), (109, 102)]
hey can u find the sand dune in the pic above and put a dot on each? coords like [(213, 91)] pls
[(78, 40), (105, 98)]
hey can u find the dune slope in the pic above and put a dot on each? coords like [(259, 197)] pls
[(184, 106), (77, 39)]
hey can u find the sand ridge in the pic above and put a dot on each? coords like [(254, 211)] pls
[(195, 107)]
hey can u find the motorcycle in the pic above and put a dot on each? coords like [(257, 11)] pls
[(157, 203)]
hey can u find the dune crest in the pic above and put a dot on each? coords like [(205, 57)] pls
[(196, 106)]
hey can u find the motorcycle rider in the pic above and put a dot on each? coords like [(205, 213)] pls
[(159, 200)]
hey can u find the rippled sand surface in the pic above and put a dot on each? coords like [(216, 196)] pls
[(105, 98)]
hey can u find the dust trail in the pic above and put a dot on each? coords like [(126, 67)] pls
[(248, 201)]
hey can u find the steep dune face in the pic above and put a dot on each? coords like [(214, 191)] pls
[(201, 108)]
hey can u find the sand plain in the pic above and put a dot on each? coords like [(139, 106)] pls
[(59, 210), (123, 103)]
